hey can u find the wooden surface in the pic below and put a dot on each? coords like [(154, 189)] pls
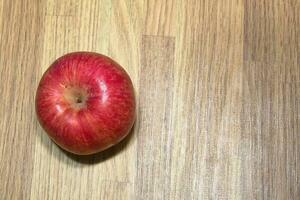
[(218, 92)]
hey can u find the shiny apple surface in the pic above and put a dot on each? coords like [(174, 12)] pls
[(85, 102)]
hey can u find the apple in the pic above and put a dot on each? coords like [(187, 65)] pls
[(85, 102)]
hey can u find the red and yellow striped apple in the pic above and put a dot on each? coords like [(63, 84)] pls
[(85, 102)]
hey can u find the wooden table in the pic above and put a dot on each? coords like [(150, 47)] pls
[(218, 92)]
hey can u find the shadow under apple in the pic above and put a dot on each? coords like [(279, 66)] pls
[(103, 155)]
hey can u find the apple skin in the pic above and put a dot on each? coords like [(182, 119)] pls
[(85, 102)]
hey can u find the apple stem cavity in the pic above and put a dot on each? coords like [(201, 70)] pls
[(76, 96), (79, 100)]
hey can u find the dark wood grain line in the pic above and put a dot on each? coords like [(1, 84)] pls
[(155, 118), (271, 76), (270, 119), (271, 31), (20, 47)]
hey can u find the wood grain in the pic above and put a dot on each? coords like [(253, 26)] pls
[(218, 89), (155, 142)]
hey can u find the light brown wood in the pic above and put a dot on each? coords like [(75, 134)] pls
[(218, 89)]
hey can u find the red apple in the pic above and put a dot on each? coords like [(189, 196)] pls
[(85, 102)]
